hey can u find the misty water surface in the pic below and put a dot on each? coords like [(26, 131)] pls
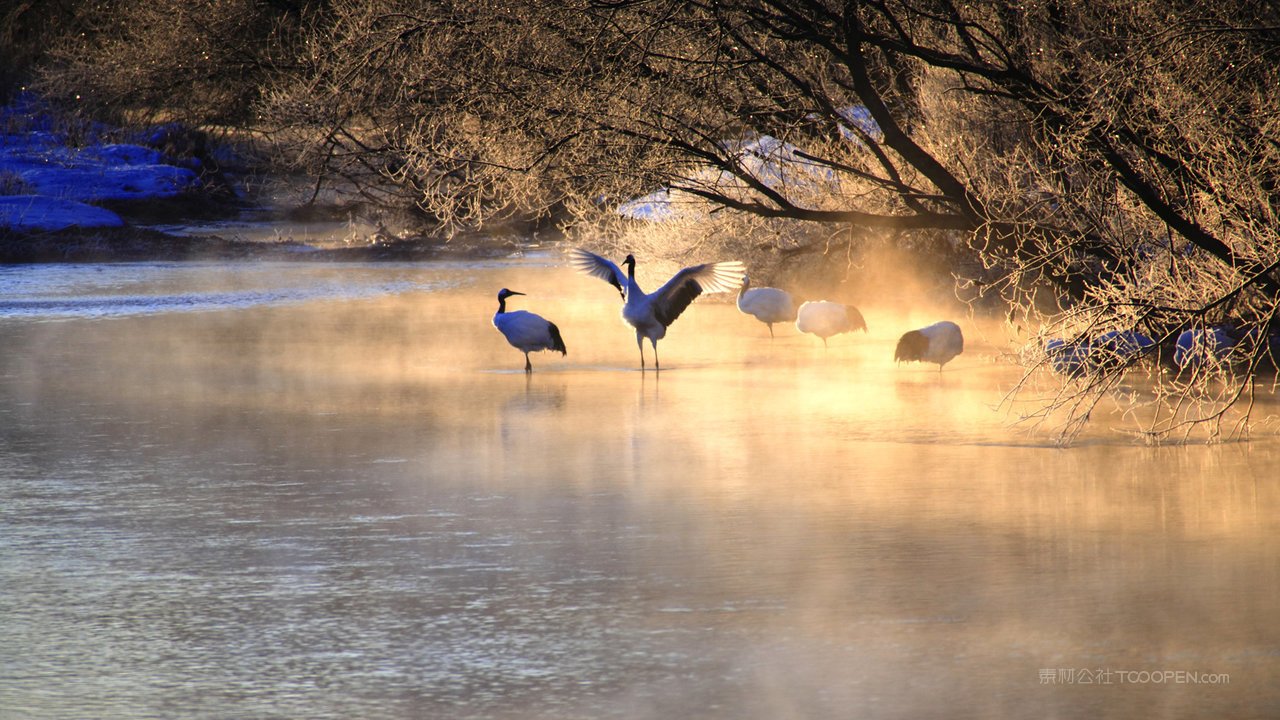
[(314, 491)]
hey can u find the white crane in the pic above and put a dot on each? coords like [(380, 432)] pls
[(1202, 348), (526, 331), (1068, 358), (1110, 350), (651, 314), (1118, 348), (937, 343), (766, 304), (825, 318)]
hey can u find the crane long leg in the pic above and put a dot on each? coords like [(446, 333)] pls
[(656, 366), (528, 366), (770, 330), (640, 344)]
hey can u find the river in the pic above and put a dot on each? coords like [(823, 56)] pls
[(303, 490)]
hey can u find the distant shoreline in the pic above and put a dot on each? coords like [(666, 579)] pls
[(132, 244)]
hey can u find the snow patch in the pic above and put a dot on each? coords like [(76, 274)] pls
[(774, 163), (46, 184), (35, 213)]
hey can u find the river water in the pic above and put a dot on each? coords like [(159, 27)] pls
[(329, 491)]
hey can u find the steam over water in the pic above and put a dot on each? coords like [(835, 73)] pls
[(314, 491), (45, 292)]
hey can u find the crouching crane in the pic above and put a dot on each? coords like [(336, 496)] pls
[(937, 343), (652, 313), (526, 331), (825, 318)]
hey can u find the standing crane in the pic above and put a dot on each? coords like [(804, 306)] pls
[(526, 331), (766, 304), (652, 313), (937, 343)]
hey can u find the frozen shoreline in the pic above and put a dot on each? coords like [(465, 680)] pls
[(131, 244)]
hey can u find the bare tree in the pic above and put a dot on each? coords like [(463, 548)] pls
[(138, 61)]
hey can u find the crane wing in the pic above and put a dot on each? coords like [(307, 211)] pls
[(596, 266), (672, 298)]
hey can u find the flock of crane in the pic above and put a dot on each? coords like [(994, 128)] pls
[(652, 313)]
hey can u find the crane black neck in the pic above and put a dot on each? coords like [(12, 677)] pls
[(502, 299)]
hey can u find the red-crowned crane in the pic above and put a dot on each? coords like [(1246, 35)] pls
[(526, 331), (1200, 348), (825, 318), (937, 343), (652, 313), (766, 304)]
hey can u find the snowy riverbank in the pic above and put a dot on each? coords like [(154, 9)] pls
[(90, 193), (58, 176)]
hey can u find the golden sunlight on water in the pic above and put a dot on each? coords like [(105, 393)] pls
[(364, 508)]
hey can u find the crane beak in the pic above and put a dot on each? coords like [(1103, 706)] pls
[(513, 292)]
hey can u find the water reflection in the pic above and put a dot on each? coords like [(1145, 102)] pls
[(361, 507)]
